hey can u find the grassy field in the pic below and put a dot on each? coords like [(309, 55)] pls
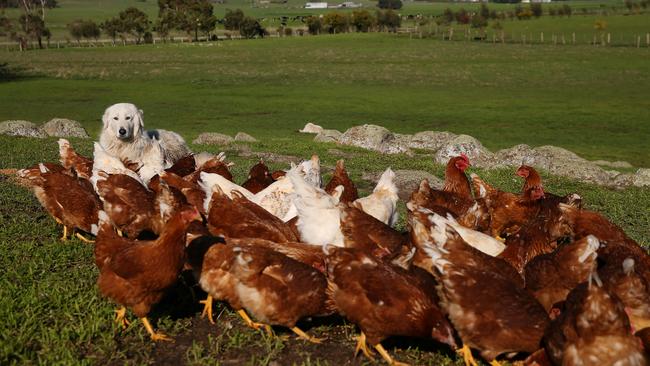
[(587, 99)]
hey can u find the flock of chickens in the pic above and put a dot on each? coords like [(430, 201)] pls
[(506, 274)]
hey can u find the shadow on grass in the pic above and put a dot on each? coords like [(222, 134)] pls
[(9, 73)]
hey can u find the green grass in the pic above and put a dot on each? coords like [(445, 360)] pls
[(587, 99)]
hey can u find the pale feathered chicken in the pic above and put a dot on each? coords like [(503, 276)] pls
[(382, 203), (476, 239), (105, 162), (275, 198), (319, 217)]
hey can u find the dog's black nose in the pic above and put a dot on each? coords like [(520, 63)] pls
[(122, 131)]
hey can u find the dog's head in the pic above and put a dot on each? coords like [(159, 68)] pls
[(123, 120)]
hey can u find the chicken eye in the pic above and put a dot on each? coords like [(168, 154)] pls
[(115, 118)]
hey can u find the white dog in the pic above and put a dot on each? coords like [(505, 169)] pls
[(124, 137)]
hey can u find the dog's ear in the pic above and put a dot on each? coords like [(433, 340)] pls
[(138, 123), (106, 117)]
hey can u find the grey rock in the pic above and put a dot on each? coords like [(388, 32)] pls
[(21, 128), (267, 156), (566, 163), (244, 137), (407, 181), (613, 164), (374, 137), (61, 127), (641, 178), (478, 155), (328, 136), (311, 128), (213, 138), (521, 154), (430, 140)]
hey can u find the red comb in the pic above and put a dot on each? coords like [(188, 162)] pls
[(462, 155)]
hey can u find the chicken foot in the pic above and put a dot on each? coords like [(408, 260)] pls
[(306, 336), (253, 324), (82, 238), (207, 308), (384, 354), (494, 363), (65, 234), (120, 317), (154, 336), (466, 352), (363, 347)]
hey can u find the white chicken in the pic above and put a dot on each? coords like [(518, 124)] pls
[(319, 217), (105, 162), (382, 203), (276, 198)]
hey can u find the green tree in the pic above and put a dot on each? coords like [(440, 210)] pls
[(34, 27), (462, 16), (233, 19), (566, 9), (448, 16), (336, 22), (190, 16), (76, 29), (389, 4), (314, 24), (251, 28), (536, 9), (135, 22), (388, 20), (484, 11), (112, 28), (363, 21)]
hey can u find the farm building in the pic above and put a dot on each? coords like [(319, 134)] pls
[(315, 5)]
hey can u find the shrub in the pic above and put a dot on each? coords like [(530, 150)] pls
[(389, 4), (233, 19), (335, 23), (536, 9), (388, 20), (362, 20), (314, 25), (462, 16), (251, 28)]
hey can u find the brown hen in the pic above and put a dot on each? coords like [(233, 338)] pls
[(550, 277), (592, 329), (70, 200), (384, 300), (456, 194), (69, 158), (340, 178), (241, 218), (259, 178), (486, 303), (135, 274), (273, 288)]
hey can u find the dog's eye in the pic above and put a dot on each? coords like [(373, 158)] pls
[(115, 118), (128, 118)]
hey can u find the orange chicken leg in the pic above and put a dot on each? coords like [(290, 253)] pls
[(207, 308), (384, 354), (466, 352), (154, 336), (253, 324), (363, 347), (306, 336), (120, 317)]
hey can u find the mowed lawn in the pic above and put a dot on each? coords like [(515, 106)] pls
[(590, 100)]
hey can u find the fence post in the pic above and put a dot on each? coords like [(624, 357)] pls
[(609, 38), (541, 37), (573, 36), (638, 41), (647, 39)]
